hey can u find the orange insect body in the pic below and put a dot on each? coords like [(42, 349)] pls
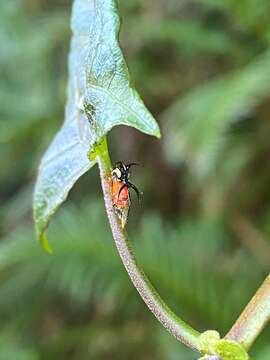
[(119, 199), (120, 186)]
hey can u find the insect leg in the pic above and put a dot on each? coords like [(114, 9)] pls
[(138, 193)]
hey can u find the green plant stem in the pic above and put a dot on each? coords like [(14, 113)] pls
[(253, 318), (176, 326)]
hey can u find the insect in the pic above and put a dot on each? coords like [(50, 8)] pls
[(120, 187)]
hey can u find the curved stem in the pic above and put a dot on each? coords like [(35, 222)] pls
[(253, 318), (176, 326)]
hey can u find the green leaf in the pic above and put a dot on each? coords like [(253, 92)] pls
[(99, 97), (231, 350), (208, 340), (104, 84), (211, 344)]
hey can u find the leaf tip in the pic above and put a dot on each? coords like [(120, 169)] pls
[(158, 134), (45, 243)]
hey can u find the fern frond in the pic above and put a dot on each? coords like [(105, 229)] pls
[(195, 127)]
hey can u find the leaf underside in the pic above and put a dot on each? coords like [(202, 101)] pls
[(99, 97)]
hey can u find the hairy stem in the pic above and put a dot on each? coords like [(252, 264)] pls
[(177, 327), (253, 318)]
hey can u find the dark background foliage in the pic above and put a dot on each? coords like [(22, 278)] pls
[(203, 69)]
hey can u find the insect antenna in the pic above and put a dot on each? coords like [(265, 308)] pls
[(128, 166)]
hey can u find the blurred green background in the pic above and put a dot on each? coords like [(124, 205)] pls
[(202, 235)]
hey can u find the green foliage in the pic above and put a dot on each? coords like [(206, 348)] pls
[(24, 106), (196, 125), (251, 15), (78, 303), (231, 350), (208, 341), (264, 354), (12, 349), (99, 97), (200, 38), (211, 344), (85, 269)]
